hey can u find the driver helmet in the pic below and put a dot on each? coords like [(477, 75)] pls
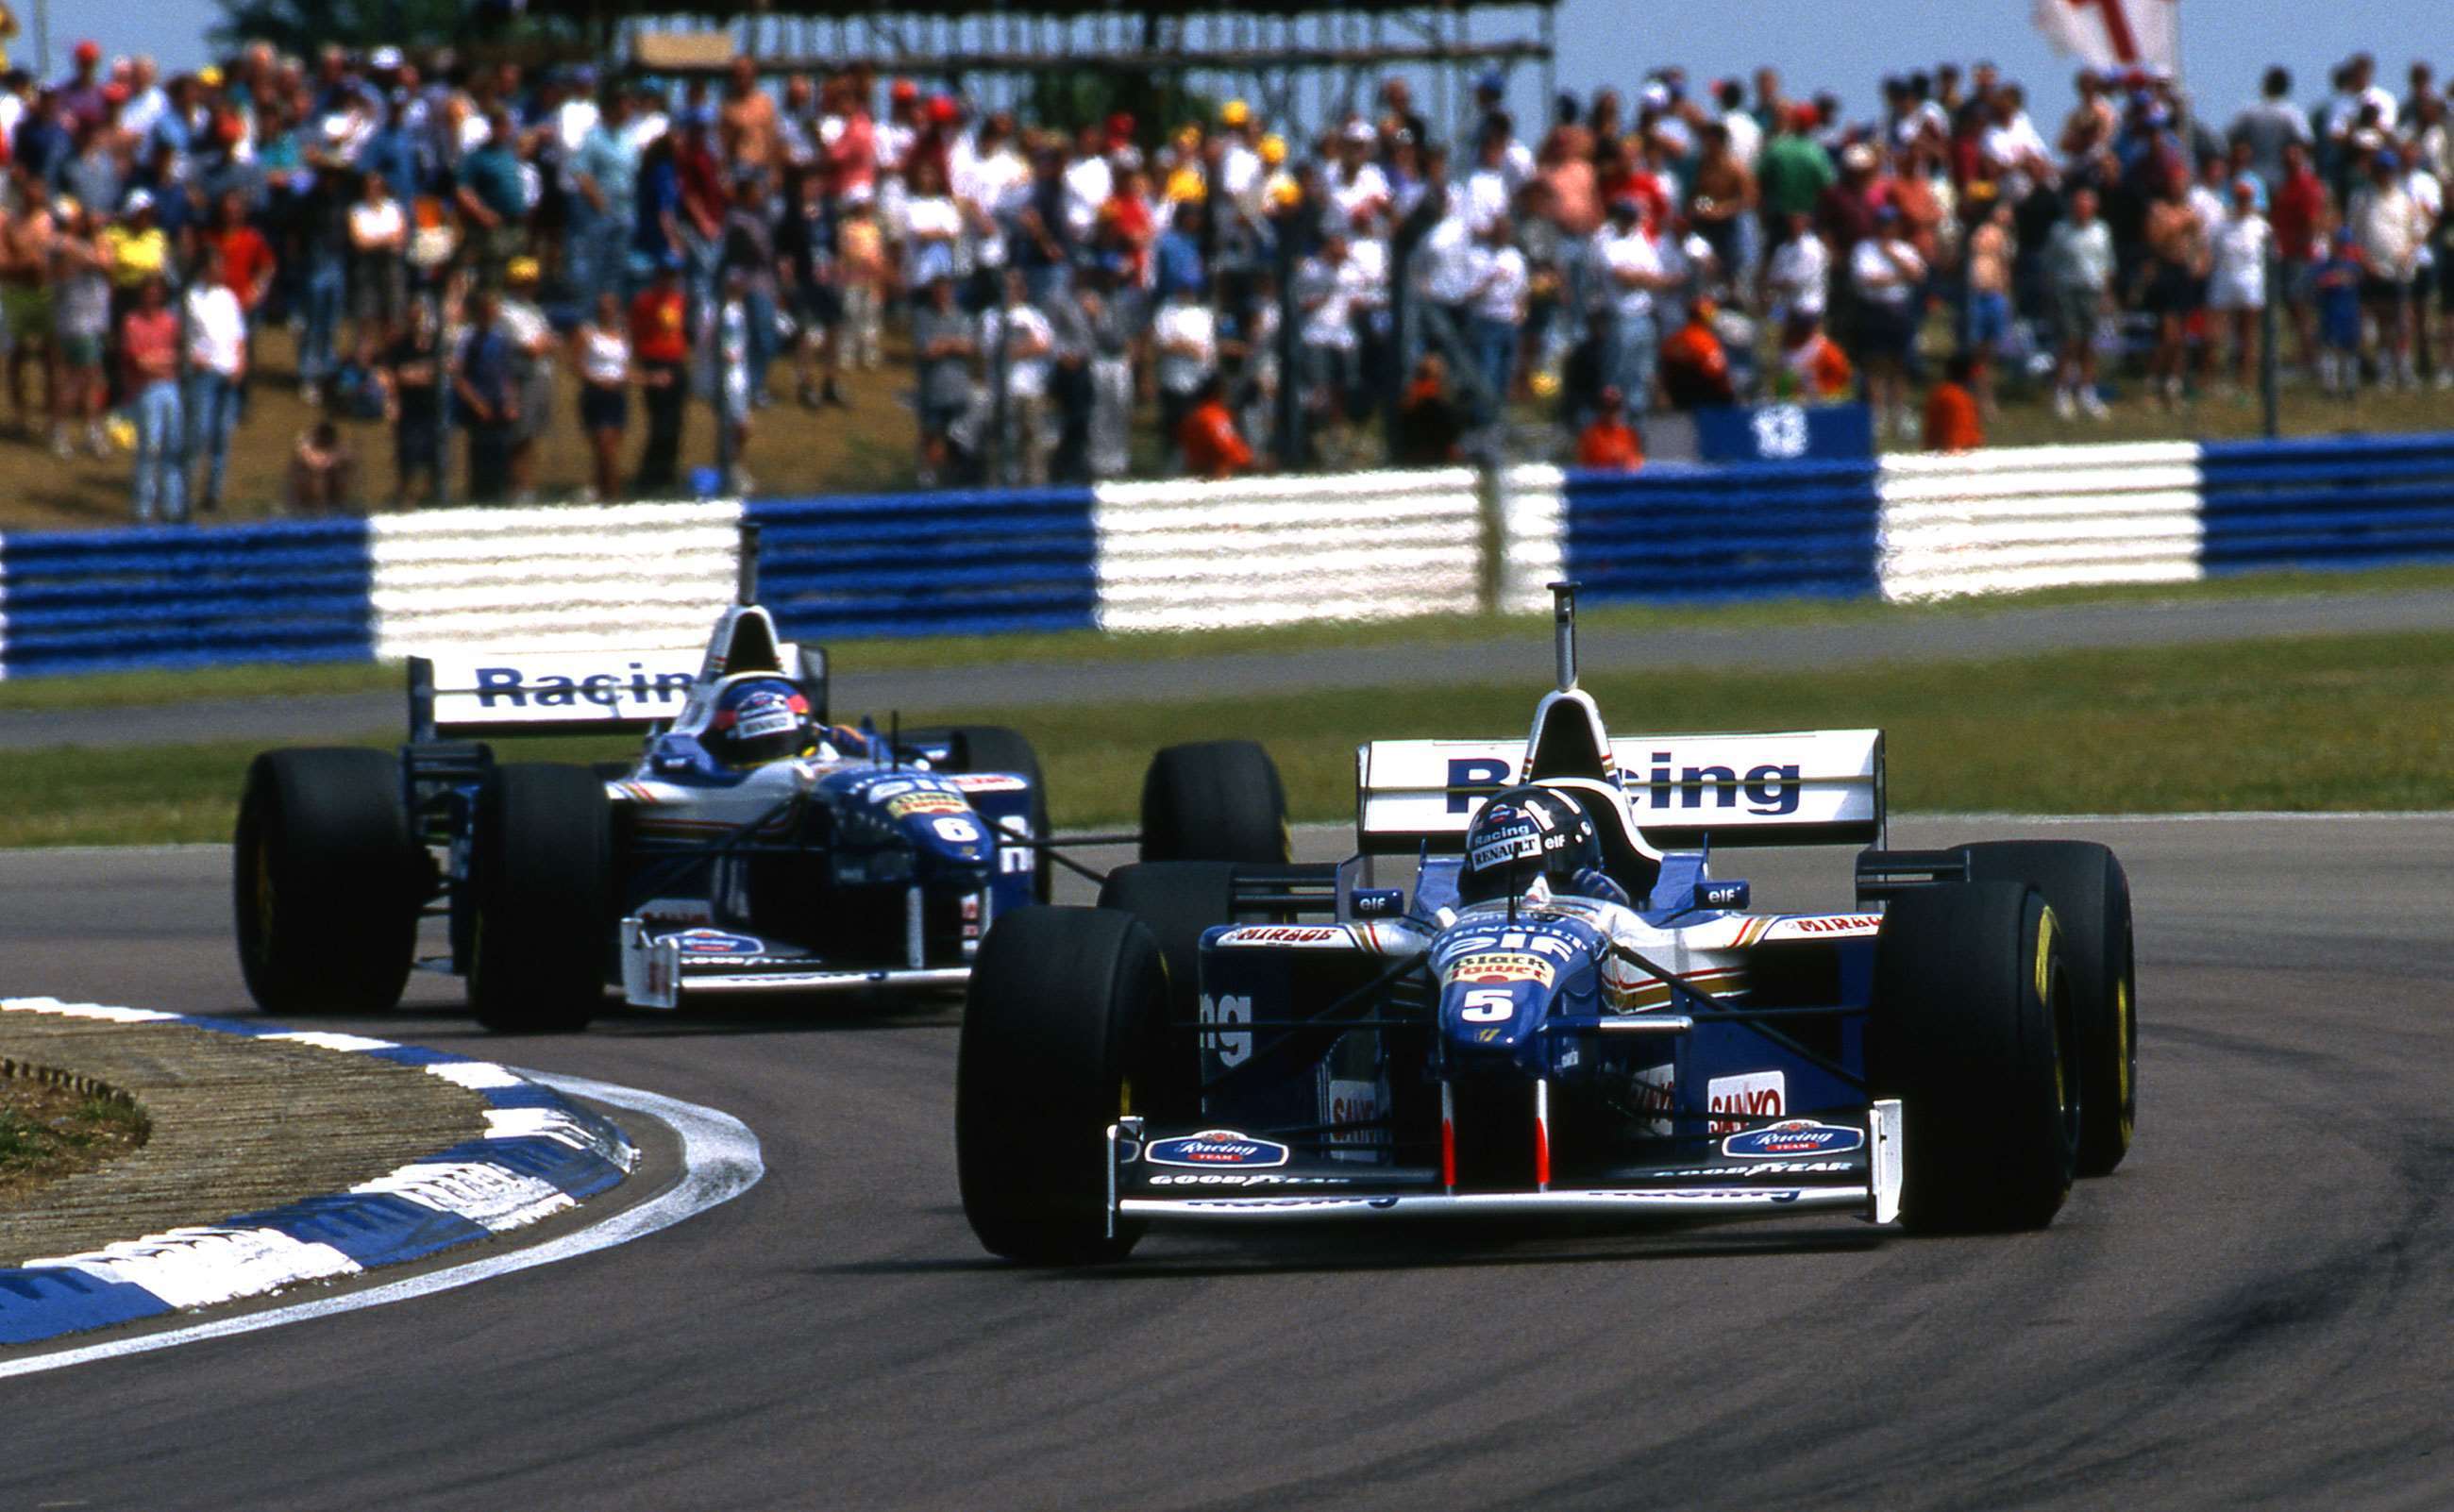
[(758, 720), (1524, 833)]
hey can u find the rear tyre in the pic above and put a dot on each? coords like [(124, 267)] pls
[(2085, 886), (326, 882), (1972, 1010), (1215, 800), (994, 748), (541, 858), (1177, 901), (1059, 1000)]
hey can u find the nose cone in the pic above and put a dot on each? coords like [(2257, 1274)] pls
[(1498, 981), (1487, 1016), (951, 843)]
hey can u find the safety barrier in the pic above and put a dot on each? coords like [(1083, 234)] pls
[(1279, 551), (114, 600), (977, 563), (2339, 502), (2023, 518), (1189, 555), (641, 575), (1679, 531)]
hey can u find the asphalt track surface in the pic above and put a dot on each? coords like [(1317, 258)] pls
[(1516, 659), (2252, 1311)]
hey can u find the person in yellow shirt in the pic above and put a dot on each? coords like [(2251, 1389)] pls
[(134, 248)]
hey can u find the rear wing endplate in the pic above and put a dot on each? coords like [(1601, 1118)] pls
[(1808, 787), (463, 695)]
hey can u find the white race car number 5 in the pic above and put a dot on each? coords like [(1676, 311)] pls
[(1488, 1005)]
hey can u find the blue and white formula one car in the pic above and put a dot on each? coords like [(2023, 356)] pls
[(754, 848), (1568, 1013)]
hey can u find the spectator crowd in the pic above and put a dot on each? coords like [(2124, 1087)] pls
[(475, 254)]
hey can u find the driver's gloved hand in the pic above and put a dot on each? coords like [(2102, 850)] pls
[(1587, 882)]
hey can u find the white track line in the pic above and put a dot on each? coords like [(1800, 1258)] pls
[(720, 1160)]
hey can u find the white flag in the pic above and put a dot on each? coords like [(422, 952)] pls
[(2115, 34)]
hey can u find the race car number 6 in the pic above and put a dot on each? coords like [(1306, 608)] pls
[(1488, 1005), (955, 830)]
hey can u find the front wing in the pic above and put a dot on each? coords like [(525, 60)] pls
[(657, 972), (1868, 1185)]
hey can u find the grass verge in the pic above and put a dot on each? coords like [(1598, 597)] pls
[(2336, 723), (150, 689), (48, 1131)]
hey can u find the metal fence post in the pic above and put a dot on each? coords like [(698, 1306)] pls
[(2268, 328), (1491, 558)]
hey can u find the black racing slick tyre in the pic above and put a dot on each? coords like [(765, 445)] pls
[(2090, 896), (326, 882), (1177, 901), (1060, 998), (1971, 1015), (541, 874), (994, 748), (1215, 800)]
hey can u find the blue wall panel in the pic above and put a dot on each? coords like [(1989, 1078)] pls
[(2330, 502), (981, 562), (1764, 530), (117, 600)]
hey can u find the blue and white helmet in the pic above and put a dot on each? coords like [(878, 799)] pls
[(758, 720)]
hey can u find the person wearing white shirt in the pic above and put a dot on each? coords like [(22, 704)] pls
[(1632, 275), (1089, 181), (2014, 149), (1798, 276), (1018, 336), (216, 361), (147, 100), (2236, 281), (1324, 293), (1889, 279), (1496, 309), (2390, 228), (1185, 334), (2356, 90)]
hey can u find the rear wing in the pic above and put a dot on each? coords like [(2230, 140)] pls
[(466, 695), (1807, 787)]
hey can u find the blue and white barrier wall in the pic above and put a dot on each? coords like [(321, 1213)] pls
[(2022, 518), (1202, 556), (1190, 556)]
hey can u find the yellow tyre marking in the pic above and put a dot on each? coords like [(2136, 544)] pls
[(2044, 995), (2122, 1049)]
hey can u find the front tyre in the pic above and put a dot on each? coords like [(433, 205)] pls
[(1970, 1029), (1215, 800), (326, 882), (1059, 1000), (541, 862), (2085, 886)]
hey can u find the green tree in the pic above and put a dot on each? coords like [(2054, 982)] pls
[(303, 26)]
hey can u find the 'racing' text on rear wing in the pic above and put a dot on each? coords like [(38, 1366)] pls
[(1809, 787), (489, 692)]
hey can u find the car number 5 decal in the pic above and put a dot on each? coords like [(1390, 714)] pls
[(1488, 1005)]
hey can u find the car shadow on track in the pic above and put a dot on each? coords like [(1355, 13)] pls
[(448, 1021), (1323, 1254)]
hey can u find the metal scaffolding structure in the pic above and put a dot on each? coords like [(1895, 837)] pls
[(1296, 63)]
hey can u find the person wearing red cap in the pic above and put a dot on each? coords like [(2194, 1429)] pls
[(80, 95)]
